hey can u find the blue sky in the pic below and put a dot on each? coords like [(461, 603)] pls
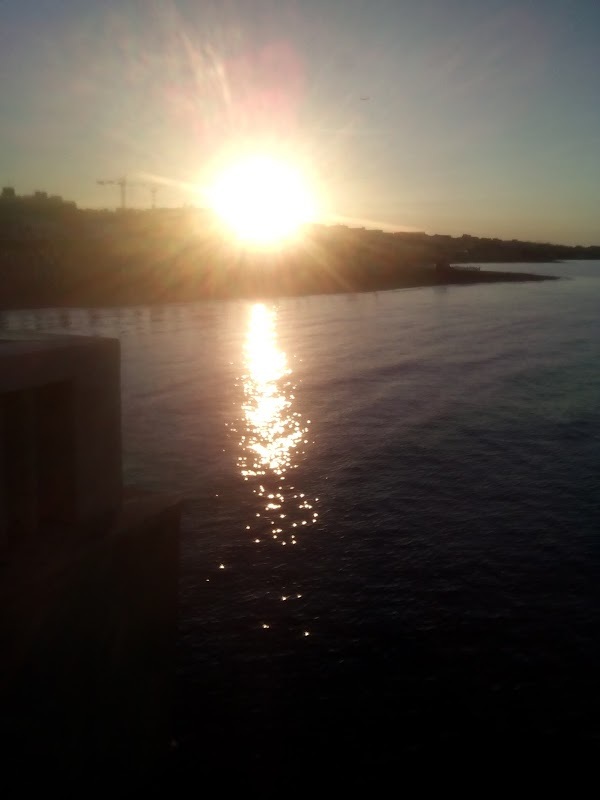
[(482, 117)]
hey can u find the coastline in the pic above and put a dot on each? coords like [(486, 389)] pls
[(143, 295)]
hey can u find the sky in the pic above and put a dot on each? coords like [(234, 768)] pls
[(447, 116)]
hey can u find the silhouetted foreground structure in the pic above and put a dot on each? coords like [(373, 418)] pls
[(53, 254), (88, 571)]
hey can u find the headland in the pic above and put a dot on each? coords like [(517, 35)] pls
[(54, 254)]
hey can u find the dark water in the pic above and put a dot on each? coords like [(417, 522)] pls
[(432, 585)]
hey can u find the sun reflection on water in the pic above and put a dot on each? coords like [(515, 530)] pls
[(273, 430), (273, 437)]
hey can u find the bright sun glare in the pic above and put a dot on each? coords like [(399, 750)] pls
[(263, 200)]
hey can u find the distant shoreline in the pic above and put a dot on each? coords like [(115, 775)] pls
[(53, 255), (411, 279)]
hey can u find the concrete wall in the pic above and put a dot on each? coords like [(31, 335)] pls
[(60, 432), (88, 646), (88, 573)]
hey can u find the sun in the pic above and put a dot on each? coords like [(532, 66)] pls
[(263, 200)]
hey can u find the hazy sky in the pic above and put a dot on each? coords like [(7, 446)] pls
[(483, 116)]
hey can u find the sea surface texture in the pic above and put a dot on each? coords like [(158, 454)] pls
[(390, 542)]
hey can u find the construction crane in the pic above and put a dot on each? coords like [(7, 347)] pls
[(123, 183), (154, 188)]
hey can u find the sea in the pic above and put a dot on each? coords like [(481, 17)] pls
[(391, 514)]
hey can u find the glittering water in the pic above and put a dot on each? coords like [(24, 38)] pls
[(273, 434), (390, 538)]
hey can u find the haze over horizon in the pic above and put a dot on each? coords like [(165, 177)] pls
[(449, 117)]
